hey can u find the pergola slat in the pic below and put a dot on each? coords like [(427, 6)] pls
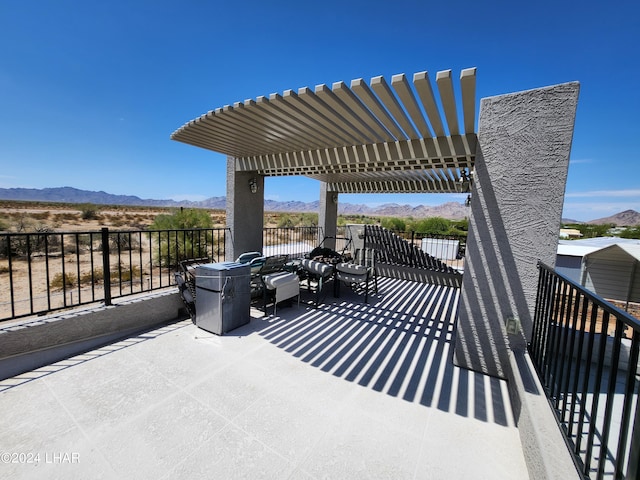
[(270, 124), (403, 89), (341, 90), (267, 140), (346, 117), (305, 121), (425, 92), (270, 109), (468, 84), (375, 137), (362, 90), (218, 122), (380, 86), (445, 86), (312, 99), (335, 136)]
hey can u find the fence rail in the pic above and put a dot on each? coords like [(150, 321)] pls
[(43, 272), (586, 353)]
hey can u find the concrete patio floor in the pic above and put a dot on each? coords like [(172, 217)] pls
[(345, 390)]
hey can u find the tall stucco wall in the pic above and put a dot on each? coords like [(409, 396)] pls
[(522, 158), (245, 212)]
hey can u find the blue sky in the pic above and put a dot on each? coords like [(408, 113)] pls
[(91, 91)]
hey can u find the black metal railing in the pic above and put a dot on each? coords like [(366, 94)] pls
[(586, 353), (43, 272), (292, 241)]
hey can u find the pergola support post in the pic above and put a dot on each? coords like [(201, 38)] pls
[(328, 216), (245, 211), (521, 165)]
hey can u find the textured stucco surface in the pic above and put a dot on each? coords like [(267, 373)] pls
[(522, 158), (245, 212)]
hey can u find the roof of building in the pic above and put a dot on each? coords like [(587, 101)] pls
[(587, 246), (575, 250), (633, 250), (376, 137)]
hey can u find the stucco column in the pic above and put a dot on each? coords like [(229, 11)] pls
[(522, 159), (245, 211), (328, 215)]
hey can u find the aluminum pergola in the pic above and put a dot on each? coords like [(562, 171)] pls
[(362, 138)]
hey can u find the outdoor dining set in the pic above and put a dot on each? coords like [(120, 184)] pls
[(269, 281)]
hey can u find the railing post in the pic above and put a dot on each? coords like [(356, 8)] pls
[(634, 450), (413, 236), (106, 266)]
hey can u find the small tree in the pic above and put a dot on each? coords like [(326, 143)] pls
[(434, 225), (394, 224), (630, 232), (183, 239)]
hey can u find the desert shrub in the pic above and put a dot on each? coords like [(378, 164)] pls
[(125, 274), (85, 240), (40, 215), (309, 220), (88, 211), (434, 225), (298, 220), (66, 217), (358, 219), (184, 241), (123, 242), (59, 281), (285, 221), (183, 219), (87, 277), (27, 245), (4, 269), (394, 224), (70, 248)]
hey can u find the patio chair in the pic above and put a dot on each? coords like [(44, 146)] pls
[(186, 282), (277, 282), (318, 273), (247, 257), (355, 275), (284, 285), (188, 298), (256, 262)]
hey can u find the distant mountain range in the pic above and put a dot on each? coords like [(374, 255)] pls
[(450, 210), (623, 219)]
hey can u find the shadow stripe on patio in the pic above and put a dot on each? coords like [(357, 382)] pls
[(399, 344)]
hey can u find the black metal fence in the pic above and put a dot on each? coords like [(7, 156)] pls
[(586, 354), (292, 241), (43, 272)]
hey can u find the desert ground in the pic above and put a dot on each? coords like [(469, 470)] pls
[(32, 285)]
